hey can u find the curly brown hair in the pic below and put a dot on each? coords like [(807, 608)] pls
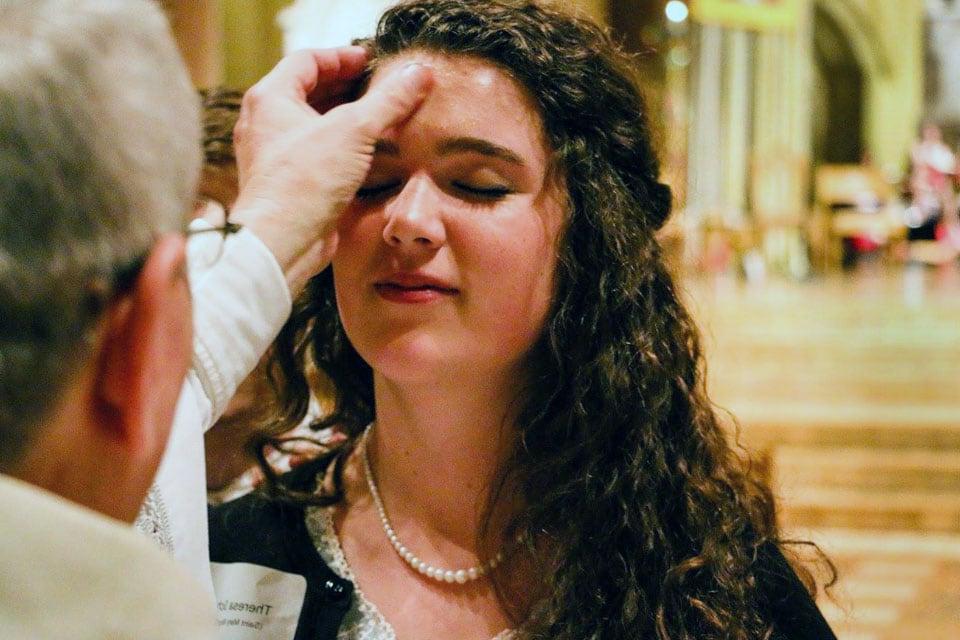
[(643, 519), (221, 109)]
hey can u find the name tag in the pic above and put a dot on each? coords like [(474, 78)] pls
[(255, 602)]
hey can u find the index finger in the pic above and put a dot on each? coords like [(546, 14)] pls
[(302, 74)]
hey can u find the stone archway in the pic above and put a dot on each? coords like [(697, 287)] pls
[(886, 44), (838, 96), (861, 34)]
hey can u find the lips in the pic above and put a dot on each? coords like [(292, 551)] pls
[(413, 288)]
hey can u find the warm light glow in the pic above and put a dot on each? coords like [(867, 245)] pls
[(309, 24), (676, 11)]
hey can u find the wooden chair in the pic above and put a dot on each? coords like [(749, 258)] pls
[(852, 201)]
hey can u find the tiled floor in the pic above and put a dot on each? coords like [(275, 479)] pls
[(850, 385), (892, 586)]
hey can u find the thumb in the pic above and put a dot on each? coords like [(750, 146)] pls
[(392, 100)]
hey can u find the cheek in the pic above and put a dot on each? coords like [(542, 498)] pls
[(358, 236), (519, 282), (347, 263), (354, 227)]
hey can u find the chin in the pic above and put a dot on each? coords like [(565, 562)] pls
[(409, 357)]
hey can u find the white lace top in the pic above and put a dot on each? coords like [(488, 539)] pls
[(363, 621), (154, 520)]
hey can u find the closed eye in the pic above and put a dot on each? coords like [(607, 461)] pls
[(375, 191), (482, 193)]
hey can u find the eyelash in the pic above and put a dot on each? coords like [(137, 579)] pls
[(492, 194), (372, 193)]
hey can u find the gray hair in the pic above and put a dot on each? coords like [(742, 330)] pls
[(99, 154)]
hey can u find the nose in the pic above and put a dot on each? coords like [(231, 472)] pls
[(414, 217)]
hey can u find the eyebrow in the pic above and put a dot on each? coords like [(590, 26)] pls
[(459, 145), (477, 145)]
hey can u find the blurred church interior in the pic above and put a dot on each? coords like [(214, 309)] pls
[(811, 146)]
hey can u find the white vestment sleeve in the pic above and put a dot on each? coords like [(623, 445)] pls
[(239, 305)]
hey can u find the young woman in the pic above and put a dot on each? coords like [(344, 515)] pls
[(529, 449)]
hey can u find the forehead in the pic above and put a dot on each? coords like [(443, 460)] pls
[(475, 98)]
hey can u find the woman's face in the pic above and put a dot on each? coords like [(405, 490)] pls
[(446, 258)]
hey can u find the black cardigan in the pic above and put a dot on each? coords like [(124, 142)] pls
[(269, 533)]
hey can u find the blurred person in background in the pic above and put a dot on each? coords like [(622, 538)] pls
[(933, 211)]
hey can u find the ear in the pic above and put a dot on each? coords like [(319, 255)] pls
[(145, 353)]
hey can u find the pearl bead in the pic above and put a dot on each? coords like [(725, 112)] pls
[(460, 576)]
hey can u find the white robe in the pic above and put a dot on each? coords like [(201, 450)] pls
[(240, 302)]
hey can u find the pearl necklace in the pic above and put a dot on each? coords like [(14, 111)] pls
[(459, 576)]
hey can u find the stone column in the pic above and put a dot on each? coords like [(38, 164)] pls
[(735, 134), (705, 150), (197, 30), (944, 34), (253, 42), (781, 144)]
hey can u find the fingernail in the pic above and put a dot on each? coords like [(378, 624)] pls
[(412, 69), (421, 75)]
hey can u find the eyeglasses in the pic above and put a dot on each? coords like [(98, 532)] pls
[(207, 235), (206, 239)]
